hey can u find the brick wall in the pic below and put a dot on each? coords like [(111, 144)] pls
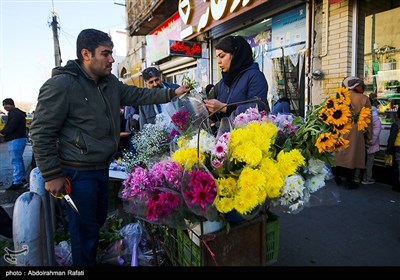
[(337, 63)]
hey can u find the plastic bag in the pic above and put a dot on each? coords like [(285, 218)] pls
[(199, 190), (389, 160), (194, 105), (63, 254)]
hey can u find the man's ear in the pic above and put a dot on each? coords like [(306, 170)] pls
[(86, 54)]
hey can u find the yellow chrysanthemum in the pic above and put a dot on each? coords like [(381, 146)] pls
[(364, 118), (246, 200), (289, 162), (273, 176), (187, 157), (247, 153), (224, 204), (226, 186)]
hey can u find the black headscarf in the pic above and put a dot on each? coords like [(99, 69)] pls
[(242, 56)]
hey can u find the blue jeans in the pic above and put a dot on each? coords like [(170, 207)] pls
[(90, 195), (16, 150)]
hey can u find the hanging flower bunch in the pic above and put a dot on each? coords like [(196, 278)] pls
[(321, 133), (155, 195)]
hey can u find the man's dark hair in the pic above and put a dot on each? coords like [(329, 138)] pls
[(150, 72), (90, 39), (8, 101)]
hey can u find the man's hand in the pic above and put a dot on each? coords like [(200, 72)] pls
[(56, 186), (182, 90)]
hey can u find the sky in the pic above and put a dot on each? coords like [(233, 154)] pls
[(26, 39)]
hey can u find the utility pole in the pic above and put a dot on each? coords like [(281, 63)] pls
[(55, 28)]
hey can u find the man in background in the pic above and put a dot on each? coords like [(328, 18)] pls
[(14, 133), (152, 78)]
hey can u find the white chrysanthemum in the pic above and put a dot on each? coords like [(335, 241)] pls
[(315, 166), (315, 183), (295, 207), (206, 142), (292, 190)]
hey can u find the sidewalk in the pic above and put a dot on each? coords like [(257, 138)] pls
[(361, 229)]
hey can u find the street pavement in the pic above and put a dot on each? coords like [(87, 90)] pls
[(359, 227)]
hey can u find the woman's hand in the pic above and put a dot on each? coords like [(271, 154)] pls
[(214, 105)]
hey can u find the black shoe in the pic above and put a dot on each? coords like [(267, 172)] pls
[(338, 180), (16, 187), (352, 185)]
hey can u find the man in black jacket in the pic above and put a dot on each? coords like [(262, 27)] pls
[(14, 133), (76, 130)]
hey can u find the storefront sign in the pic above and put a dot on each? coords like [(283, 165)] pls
[(158, 40), (185, 48), (334, 1), (289, 32), (199, 16)]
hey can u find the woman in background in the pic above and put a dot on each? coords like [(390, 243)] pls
[(352, 158)]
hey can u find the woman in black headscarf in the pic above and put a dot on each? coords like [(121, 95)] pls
[(241, 79)]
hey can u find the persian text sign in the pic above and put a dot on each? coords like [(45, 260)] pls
[(184, 48), (198, 16)]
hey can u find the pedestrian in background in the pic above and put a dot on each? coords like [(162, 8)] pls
[(241, 80), (14, 133), (152, 78), (393, 148), (75, 134), (353, 157), (281, 106), (372, 146)]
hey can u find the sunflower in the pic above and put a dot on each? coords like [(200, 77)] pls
[(342, 128), (324, 114), (364, 118), (341, 144), (325, 142), (343, 95), (330, 103), (341, 115)]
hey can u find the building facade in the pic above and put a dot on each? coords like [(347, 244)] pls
[(304, 48)]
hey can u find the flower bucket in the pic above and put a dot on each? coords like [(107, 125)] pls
[(208, 227)]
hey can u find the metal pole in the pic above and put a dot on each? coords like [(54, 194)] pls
[(36, 183), (57, 50)]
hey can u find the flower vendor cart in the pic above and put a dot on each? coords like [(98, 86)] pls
[(248, 243)]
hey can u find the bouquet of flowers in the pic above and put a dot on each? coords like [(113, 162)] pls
[(257, 160)]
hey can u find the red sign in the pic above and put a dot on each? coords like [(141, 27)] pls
[(334, 1), (184, 48)]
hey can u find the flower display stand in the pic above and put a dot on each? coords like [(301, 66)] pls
[(249, 243)]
